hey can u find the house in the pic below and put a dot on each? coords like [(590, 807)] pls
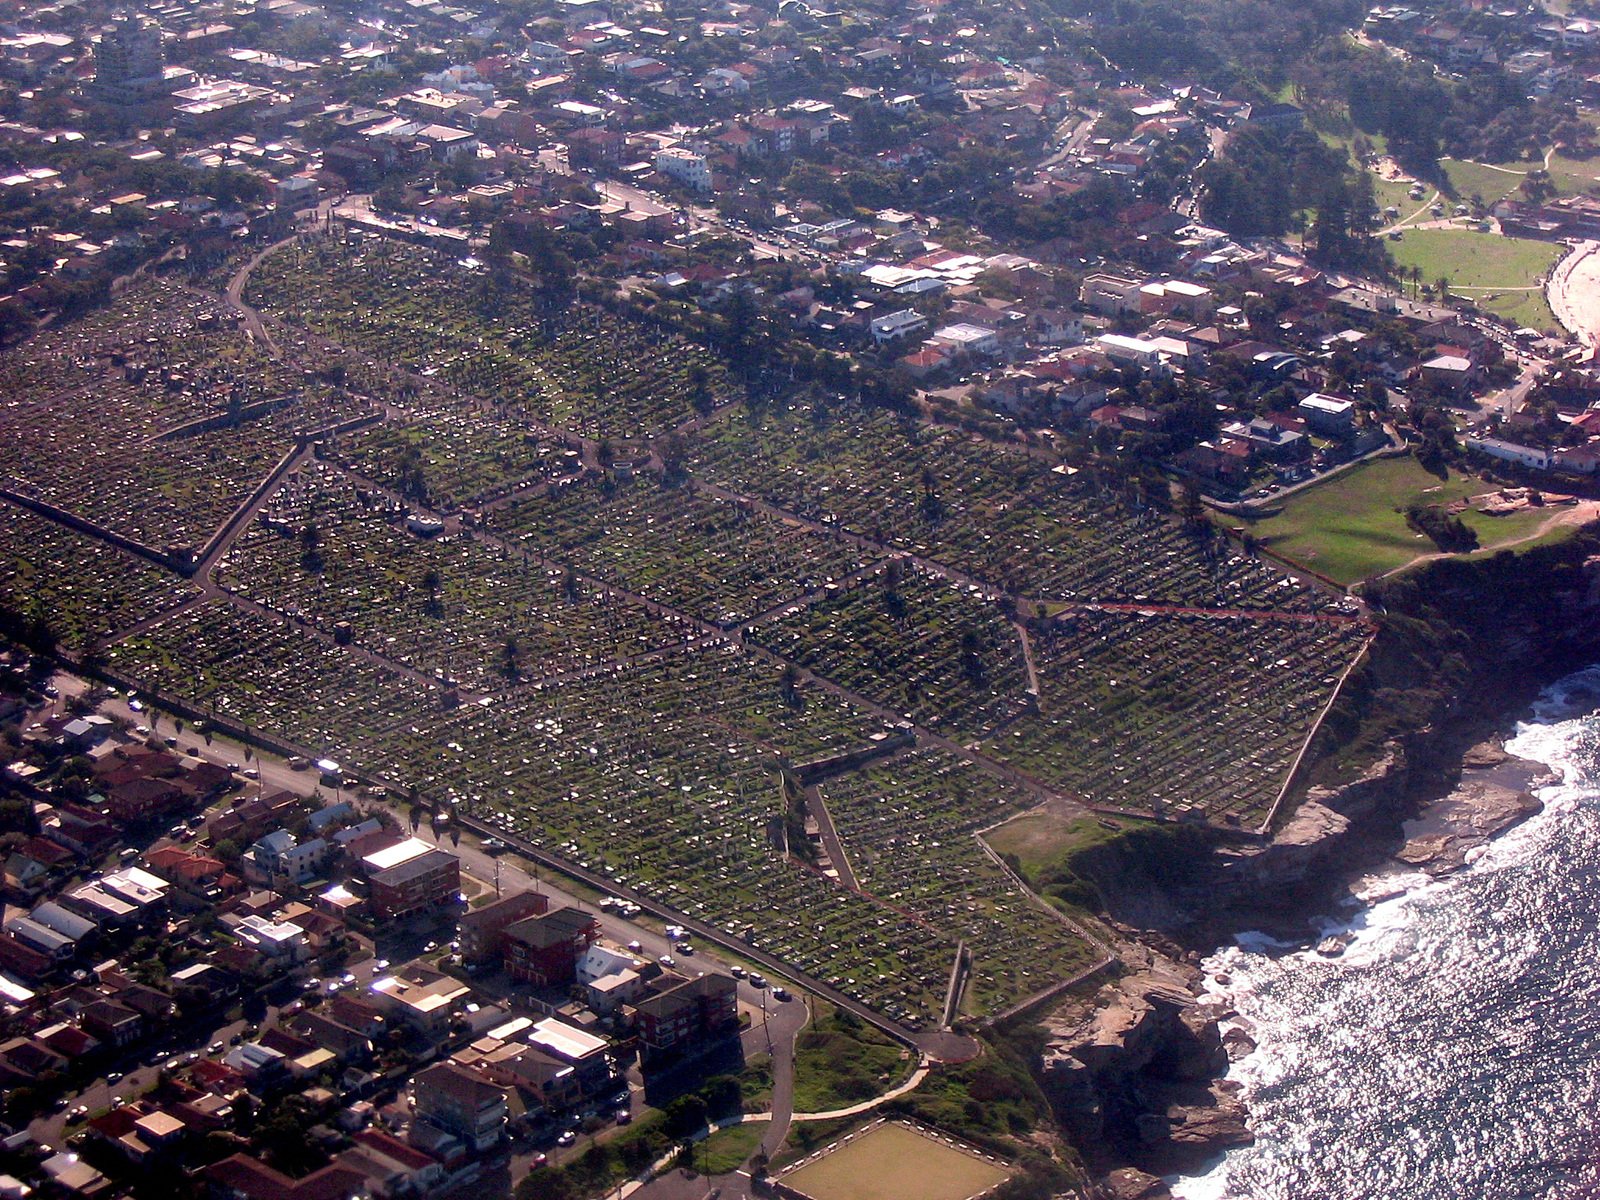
[(276, 941), (460, 1103), (587, 1055), (280, 858), (425, 1006), (1111, 295), (686, 166), (544, 950), (1452, 372), (686, 1016), (482, 931), (410, 877), (1533, 457), (1331, 416), (966, 338), (393, 1169), (112, 1023), (898, 324), (244, 1178)]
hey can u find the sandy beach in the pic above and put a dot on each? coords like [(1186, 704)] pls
[(1574, 292)]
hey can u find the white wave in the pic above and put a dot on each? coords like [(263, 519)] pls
[(1296, 1004)]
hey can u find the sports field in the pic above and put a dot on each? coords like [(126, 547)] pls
[(895, 1162)]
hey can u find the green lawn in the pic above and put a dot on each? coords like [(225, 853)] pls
[(727, 1149), (1486, 268), (839, 1060), (1041, 840), (1491, 181), (1353, 526), (1573, 175)]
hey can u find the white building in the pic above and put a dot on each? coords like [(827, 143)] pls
[(686, 166), (968, 339), (897, 325), (282, 856), (1526, 456)]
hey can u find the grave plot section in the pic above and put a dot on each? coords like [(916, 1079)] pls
[(275, 677), (664, 777), (465, 609), (907, 827), (81, 589), (165, 421), (567, 365), (1185, 715), (1000, 514), (449, 456), (721, 560), (927, 648)]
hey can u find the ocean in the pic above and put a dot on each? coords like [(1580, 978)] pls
[(1452, 1051)]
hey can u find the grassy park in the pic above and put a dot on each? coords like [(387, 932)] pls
[(1501, 274), (1353, 526)]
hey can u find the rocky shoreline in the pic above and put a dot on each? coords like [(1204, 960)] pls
[(1138, 1068)]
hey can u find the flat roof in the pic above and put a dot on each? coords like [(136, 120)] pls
[(393, 856), (563, 1040)]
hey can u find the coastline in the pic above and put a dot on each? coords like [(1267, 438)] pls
[(1142, 1068), (1400, 900)]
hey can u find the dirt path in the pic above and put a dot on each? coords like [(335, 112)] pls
[(1579, 514)]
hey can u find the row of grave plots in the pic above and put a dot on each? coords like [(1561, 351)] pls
[(82, 589), (914, 642), (661, 776), (450, 453), (724, 561), (572, 366), (153, 418), (1186, 715), (461, 607), (1008, 518), (908, 827)]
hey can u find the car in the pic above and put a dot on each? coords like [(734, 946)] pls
[(347, 977), (493, 845), (381, 964), (566, 1138), (635, 947), (171, 742), (666, 960), (676, 933), (215, 1048), (685, 948), (539, 1160), (624, 1116), (757, 981), (142, 730), (113, 1076), (297, 763), (136, 704), (737, 972), (117, 1102), (781, 994), (251, 773)]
